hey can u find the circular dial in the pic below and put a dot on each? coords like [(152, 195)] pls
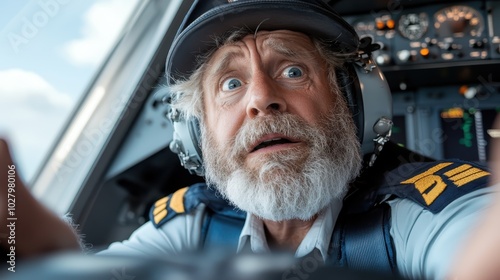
[(413, 26), (458, 21)]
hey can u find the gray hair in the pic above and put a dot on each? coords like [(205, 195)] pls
[(187, 95)]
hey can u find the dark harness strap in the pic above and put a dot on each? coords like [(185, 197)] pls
[(221, 232), (362, 241), (359, 240)]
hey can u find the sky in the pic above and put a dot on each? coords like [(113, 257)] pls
[(49, 51)]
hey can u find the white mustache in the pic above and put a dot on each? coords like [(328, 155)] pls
[(288, 125)]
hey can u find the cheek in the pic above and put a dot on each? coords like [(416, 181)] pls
[(312, 106), (224, 125)]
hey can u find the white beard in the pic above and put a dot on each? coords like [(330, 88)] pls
[(296, 183)]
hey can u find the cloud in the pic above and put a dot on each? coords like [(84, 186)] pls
[(18, 85), (32, 113), (102, 25)]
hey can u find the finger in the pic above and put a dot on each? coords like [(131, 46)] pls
[(5, 157)]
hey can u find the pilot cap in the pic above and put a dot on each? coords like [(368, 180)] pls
[(209, 19)]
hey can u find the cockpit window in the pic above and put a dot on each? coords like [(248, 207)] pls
[(50, 52)]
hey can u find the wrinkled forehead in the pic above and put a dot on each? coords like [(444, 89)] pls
[(285, 43), (283, 36), (279, 40)]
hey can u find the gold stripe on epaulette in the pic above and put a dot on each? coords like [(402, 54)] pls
[(457, 170), (160, 210), (177, 201), (465, 174), (466, 180), (161, 201), (162, 214), (431, 185), (431, 171)]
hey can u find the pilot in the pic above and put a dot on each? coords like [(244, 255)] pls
[(279, 105), (285, 102)]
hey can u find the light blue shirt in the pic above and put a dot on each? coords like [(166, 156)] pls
[(425, 243), (318, 236)]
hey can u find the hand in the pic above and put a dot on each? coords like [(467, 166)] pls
[(478, 259), (35, 229), (6, 165)]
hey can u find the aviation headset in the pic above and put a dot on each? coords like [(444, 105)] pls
[(364, 86)]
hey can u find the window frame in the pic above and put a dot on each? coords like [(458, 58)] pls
[(70, 175)]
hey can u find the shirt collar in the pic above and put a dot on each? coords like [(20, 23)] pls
[(253, 236)]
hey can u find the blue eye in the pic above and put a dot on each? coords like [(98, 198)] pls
[(292, 72), (231, 83)]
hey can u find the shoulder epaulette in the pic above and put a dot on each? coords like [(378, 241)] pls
[(167, 207), (187, 199), (434, 185)]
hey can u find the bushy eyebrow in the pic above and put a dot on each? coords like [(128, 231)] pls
[(276, 45), (280, 47), (223, 62)]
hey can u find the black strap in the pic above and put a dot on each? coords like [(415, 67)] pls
[(361, 238), (221, 232), (362, 241)]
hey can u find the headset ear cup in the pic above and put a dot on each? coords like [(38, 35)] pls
[(348, 82), (186, 144), (195, 133)]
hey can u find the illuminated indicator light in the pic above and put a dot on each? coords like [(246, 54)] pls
[(453, 113), (390, 24), (424, 52), (415, 44), (467, 124), (380, 25), (447, 56), (463, 89)]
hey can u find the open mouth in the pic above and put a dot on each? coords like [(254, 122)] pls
[(272, 142)]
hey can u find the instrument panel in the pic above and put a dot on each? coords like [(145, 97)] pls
[(434, 33), (441, 61)]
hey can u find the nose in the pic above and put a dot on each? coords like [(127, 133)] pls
[(266, 97)]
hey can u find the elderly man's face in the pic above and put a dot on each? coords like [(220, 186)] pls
[(258, 76), (270, 125)]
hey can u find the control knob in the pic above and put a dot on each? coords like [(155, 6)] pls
[(383, 59), (404, 55)]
